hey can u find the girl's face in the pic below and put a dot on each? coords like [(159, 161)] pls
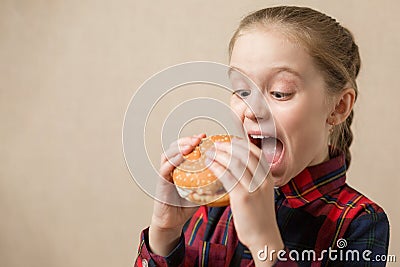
[(295, 91)]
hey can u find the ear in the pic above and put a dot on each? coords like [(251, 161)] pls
[(344, 105)]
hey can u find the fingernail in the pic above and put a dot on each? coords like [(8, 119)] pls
[(195, 140), (185, 147)]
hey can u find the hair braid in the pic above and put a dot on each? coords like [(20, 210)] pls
[(346, 138)]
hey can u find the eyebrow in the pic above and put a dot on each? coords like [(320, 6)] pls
[(274, 71)]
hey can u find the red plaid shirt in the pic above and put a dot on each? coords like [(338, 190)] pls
[(322, 220)]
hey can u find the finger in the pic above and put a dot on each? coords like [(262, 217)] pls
[(202, 135), (226, 178), (231, 163), (169, 166), (166, 193), (239, 157), (190, 140), (242, 160), (175, 150), (257, 163), (185, 141), (183, 146), (255, 150), (234, 166), (259, 177), (243, 153)]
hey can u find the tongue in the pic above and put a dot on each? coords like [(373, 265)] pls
[(272, 149)]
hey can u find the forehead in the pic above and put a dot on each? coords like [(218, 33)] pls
[(257, 52)]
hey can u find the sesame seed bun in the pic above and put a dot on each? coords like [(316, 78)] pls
[(195, 182)]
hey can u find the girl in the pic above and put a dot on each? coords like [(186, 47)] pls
[(304, 213)]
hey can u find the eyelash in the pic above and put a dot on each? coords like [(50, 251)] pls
[(243, 93), (282, 95)]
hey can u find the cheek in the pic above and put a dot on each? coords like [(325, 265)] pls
[(238, 107), (305, 120)]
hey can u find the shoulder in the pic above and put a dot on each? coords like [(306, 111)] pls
[(358, 204), (364, 216), (368, 225)]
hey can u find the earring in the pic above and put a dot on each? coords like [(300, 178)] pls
[(332, 124)]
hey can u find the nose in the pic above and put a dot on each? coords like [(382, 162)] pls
[(256, 107)]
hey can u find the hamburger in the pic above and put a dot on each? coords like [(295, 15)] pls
[(195, 182)]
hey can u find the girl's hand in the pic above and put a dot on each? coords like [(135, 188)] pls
[(243, 169), (168, 220)]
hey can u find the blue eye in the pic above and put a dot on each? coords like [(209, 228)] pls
[(242, 93)]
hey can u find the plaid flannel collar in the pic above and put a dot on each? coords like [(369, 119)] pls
[(315, 181)]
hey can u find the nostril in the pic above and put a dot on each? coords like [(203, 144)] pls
[(249, 113), (257, 111)]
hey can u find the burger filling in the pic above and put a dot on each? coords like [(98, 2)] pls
[(203, 194)]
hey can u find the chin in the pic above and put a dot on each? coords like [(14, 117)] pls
[(279, 175), (280, 180)]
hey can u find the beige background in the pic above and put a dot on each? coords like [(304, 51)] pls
[(67, 72)]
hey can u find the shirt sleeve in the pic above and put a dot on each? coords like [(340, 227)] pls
[(146, 258), (365, 242)]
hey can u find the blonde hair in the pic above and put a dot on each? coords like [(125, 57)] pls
[(330, 45)]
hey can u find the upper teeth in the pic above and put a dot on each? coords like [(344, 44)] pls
[(259, 136)]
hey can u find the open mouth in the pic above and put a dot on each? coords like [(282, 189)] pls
[(272, 147)]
